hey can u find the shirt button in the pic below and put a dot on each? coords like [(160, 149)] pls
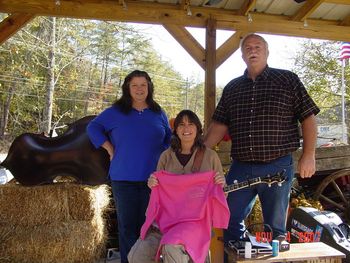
[(250, 135), (252, 98), (250, 122), (251, 148), (251, 110)]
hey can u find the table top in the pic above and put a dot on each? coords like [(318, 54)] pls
[(297, 252)]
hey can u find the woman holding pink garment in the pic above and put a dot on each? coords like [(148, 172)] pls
[(168, 229)]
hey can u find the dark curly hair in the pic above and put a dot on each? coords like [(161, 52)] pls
[(125, 101), (175, 143)]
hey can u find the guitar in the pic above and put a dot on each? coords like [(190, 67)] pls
[(278, 178)]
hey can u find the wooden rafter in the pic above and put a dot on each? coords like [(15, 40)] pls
[(338, 2), (307, 9), (191, 45), (188, 42), (247, 6), (346, 21), (228, 47), (10, 25), (157, 13)]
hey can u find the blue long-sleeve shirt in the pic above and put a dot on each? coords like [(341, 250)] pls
[(138, 137)]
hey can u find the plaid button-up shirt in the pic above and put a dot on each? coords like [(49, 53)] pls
[(262, 115)]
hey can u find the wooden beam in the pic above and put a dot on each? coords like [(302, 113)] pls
[(156, 13), (188, 42), (123, 4), (247, 6), (280, 25), (346, 21), (328, 158), (228, 47), (338, 2), (210, 72), (307, 9), (10, 25)]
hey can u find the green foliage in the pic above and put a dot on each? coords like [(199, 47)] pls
[(91, 60), (318, 66)]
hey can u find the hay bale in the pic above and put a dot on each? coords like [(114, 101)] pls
[(47, 204), (255, 219), (77, 241), (53, 223)]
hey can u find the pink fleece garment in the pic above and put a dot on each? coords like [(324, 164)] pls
[(186, 207)]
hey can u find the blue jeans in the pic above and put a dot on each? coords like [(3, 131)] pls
[(131, 199), (274, 199)]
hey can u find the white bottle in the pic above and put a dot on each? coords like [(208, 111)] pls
[(248, 250)]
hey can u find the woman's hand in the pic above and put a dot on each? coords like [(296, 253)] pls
[(109, 148), (152, 181), (220, 179)]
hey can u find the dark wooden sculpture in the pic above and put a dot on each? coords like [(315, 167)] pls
[(36, 159)]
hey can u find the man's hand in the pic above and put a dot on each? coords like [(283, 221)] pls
[(306, 166), (307, 163)]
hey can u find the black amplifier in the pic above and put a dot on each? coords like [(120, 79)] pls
[(307, 224)]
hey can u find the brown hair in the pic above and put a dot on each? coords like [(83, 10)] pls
[(175, 143), (125, 101)]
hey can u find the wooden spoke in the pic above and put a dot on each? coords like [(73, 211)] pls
[(325, 198), (338, 190), (334, 195)]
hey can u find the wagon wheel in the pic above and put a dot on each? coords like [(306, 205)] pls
[(334, 196)]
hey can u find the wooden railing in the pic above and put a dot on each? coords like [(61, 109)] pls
[(327, 158)]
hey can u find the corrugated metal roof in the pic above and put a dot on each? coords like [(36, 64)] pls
[(326, 19)]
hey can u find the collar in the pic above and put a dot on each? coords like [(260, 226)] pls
[(263, 75), (140, 111), (189, 164)]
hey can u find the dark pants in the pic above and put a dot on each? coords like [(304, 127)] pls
[(274, 199), (131, 199)]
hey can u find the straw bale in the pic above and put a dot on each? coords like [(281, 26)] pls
[(62, 222), (255, 219), (60, 202), (75, 241)]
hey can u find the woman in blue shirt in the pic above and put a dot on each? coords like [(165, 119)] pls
[(134, 131)]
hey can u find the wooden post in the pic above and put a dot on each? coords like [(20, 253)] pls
[(217, 244), (210, 70)]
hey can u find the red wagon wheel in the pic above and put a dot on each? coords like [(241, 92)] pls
[(334, 193)]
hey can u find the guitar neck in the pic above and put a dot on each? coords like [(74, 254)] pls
[(245, 184)]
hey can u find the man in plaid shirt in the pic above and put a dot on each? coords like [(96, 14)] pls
[(261, 110)]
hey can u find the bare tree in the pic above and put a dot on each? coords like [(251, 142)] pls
[(50, 83)]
